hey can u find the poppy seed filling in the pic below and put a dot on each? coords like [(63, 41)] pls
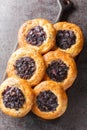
[(13, 98), (36, 36), (57, 70), (65, 39), (47, 101), (25, 67)]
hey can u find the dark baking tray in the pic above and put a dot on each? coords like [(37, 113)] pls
[(75, 118), (64, 6)]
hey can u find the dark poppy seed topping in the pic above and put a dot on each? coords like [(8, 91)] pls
[(25, 67), (36, 36), (47, 101), (13, 98), (65, 39), (57, 70)]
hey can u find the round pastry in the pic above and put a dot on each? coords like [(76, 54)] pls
[(27, 64), (38, 33), (69, 38), (60, 67), (50, 100), (16, 97)]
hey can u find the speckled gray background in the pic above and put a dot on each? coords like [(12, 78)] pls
[(12, 14)]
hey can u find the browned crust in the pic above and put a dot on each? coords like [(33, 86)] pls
[(59, 92), (75, 49), (48, 28), (68, 60), (29, 52), (27, 91)]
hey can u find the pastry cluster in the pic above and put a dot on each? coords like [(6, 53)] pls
[(41, 69)]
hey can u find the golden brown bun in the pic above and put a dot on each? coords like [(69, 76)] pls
[(39, 63), (26, 90), (68, 60), (48, 28), (61, 97), (76, 48)]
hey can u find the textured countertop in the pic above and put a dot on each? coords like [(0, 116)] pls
[(12, 14)]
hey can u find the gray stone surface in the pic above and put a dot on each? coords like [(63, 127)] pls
[(12, 14)]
